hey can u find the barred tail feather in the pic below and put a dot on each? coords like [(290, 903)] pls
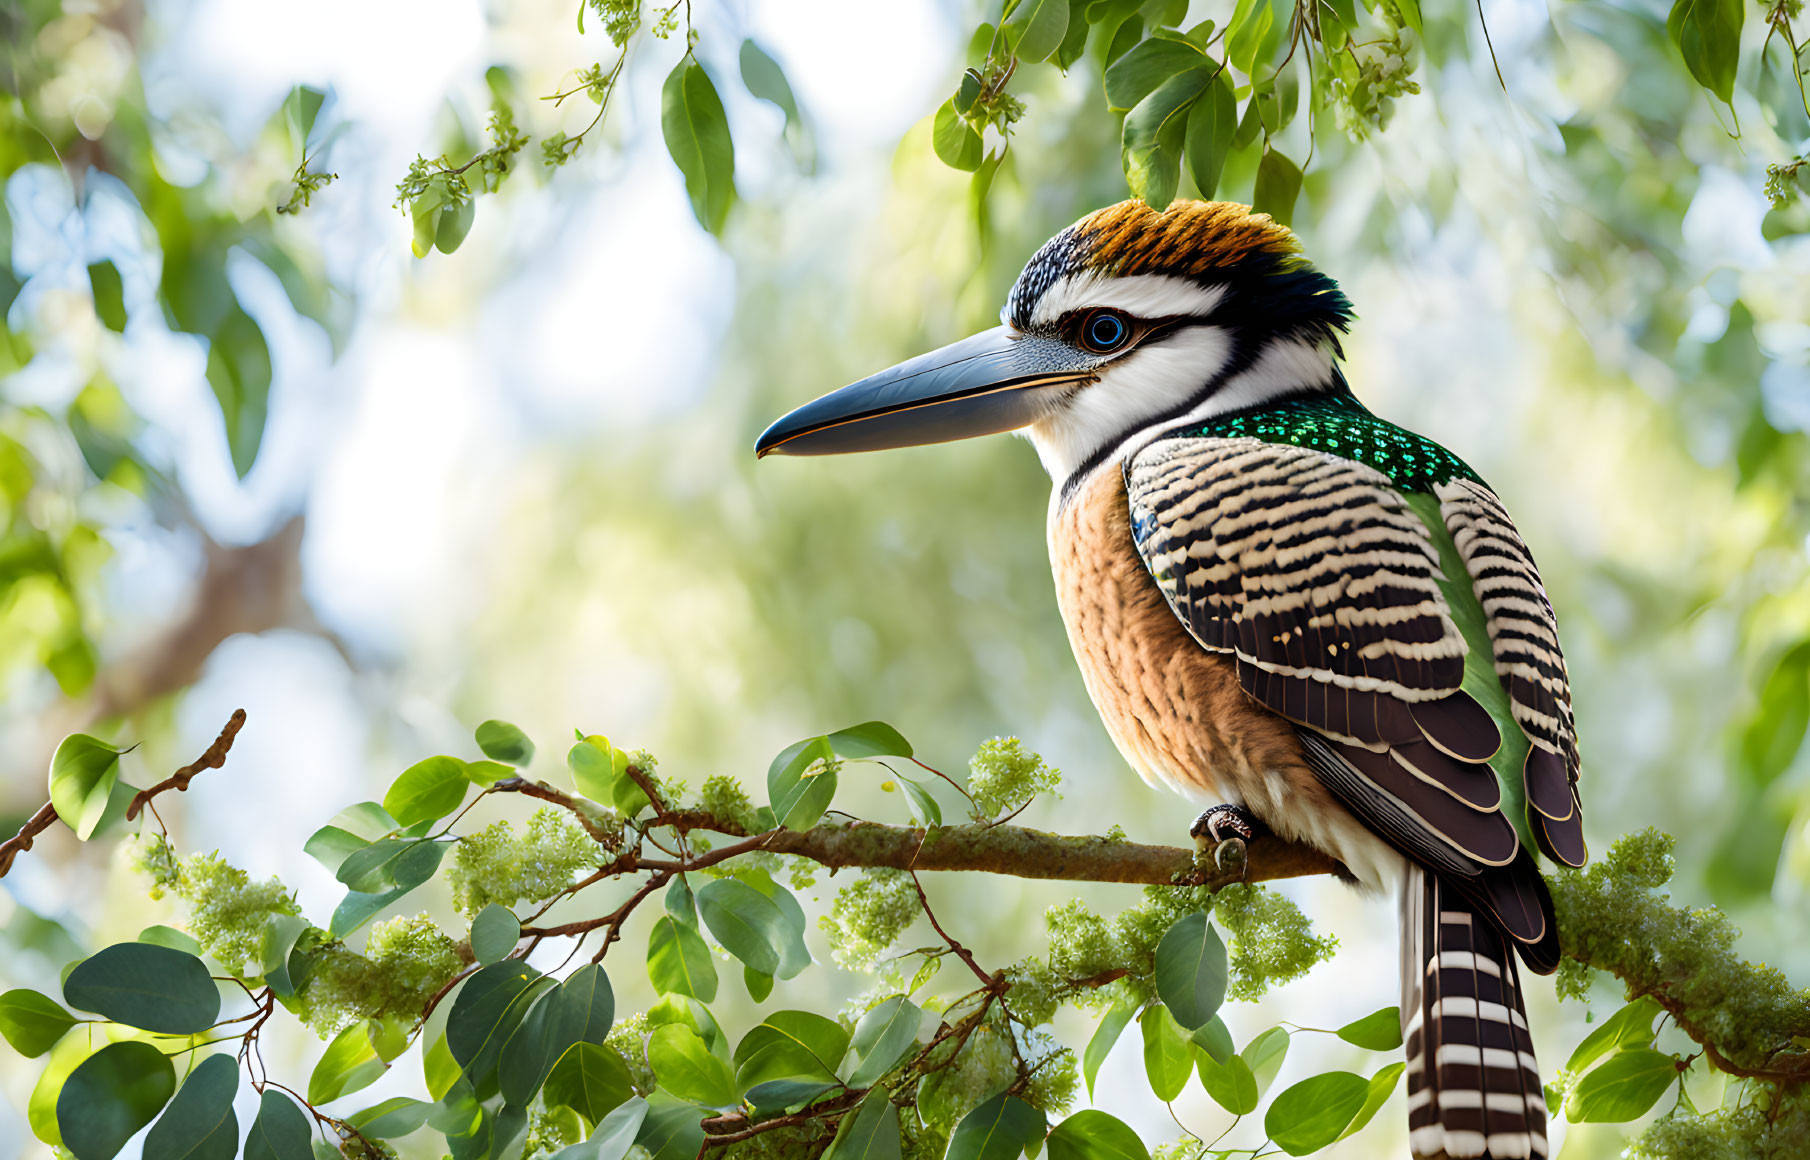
[(1473, 1086)]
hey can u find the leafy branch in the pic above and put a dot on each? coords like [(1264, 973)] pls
[(516, 1060)]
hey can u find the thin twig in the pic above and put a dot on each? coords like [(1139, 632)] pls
[(214, 758), (961, 952)]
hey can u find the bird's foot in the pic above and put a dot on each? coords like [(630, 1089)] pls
[(1222, 822), (1224, 830)]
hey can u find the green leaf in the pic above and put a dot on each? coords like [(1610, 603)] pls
[(110, 1096), (82, 773), (872, 1133), (426, 791), (485, 774), (614, 1136), (300, 108), (1040, 26), (494, 933), (883, 1037), (998, 1129), (1074, 41), (678, 961), (159, 935), (780, 1095), (1095, 1135), (1708, 36), (1633, 1024), (671, 1130), (41, 1106), (590, 1079), (280, 1131), (1191, 970), (1142, 70), (1211, 124), (350, 831), (1775, 732), (1128, 35), (358, 908), (109, 295), (684, 1065), (238, 369), (766, 81), (1623, 1087), (393, 863), (489, 1009), (1230, 1083), (1315, 1112), (351, 1062), (789, 1045), (284, 970), (439, 1070), (1168, 1056), (149, 987), (396, 1116), (455, 222), (697, 136), (1215, 1039), (594, 770), (1265, 1054), (1154, 134), (1381, 1085), (199, 1124), (800, 794), (1246, 33), (924, 808), (1377, 1031), (1278, 184), (747, 923), (1100, 1046), (956, 143), (870, 739), (32, 1023), (579, 1010), (1410, 12), (503, 742), (759, 986)]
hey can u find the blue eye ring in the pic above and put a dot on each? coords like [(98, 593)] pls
[(1104, 331)]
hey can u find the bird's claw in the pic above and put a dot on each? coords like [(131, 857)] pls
[(1221, 823)]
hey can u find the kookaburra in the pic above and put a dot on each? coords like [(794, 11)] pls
[(1281, 602)]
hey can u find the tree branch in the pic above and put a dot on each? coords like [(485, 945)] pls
[(214, 758), (1021, 852)]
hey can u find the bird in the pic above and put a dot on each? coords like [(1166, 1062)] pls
[(1283, 603)]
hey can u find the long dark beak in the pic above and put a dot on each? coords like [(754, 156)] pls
[(998, 380)]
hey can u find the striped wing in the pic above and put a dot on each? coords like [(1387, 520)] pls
[(1524, 636), (1323, 583)]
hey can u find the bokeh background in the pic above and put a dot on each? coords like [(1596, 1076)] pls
[(517, 482)]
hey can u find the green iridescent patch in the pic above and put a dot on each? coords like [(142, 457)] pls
[(1340, 425)]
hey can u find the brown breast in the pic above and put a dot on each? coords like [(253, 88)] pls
[(1174, 709)]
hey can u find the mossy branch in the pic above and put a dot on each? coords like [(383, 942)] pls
[(1023, 853)]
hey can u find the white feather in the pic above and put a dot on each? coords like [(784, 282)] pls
[(1141, 295)]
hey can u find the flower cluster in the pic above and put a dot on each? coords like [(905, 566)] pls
[(868, 916), (406, 961), (494, 865), (227, 910), (1004, 775)]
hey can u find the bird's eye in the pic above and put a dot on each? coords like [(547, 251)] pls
[(1104, 331)]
